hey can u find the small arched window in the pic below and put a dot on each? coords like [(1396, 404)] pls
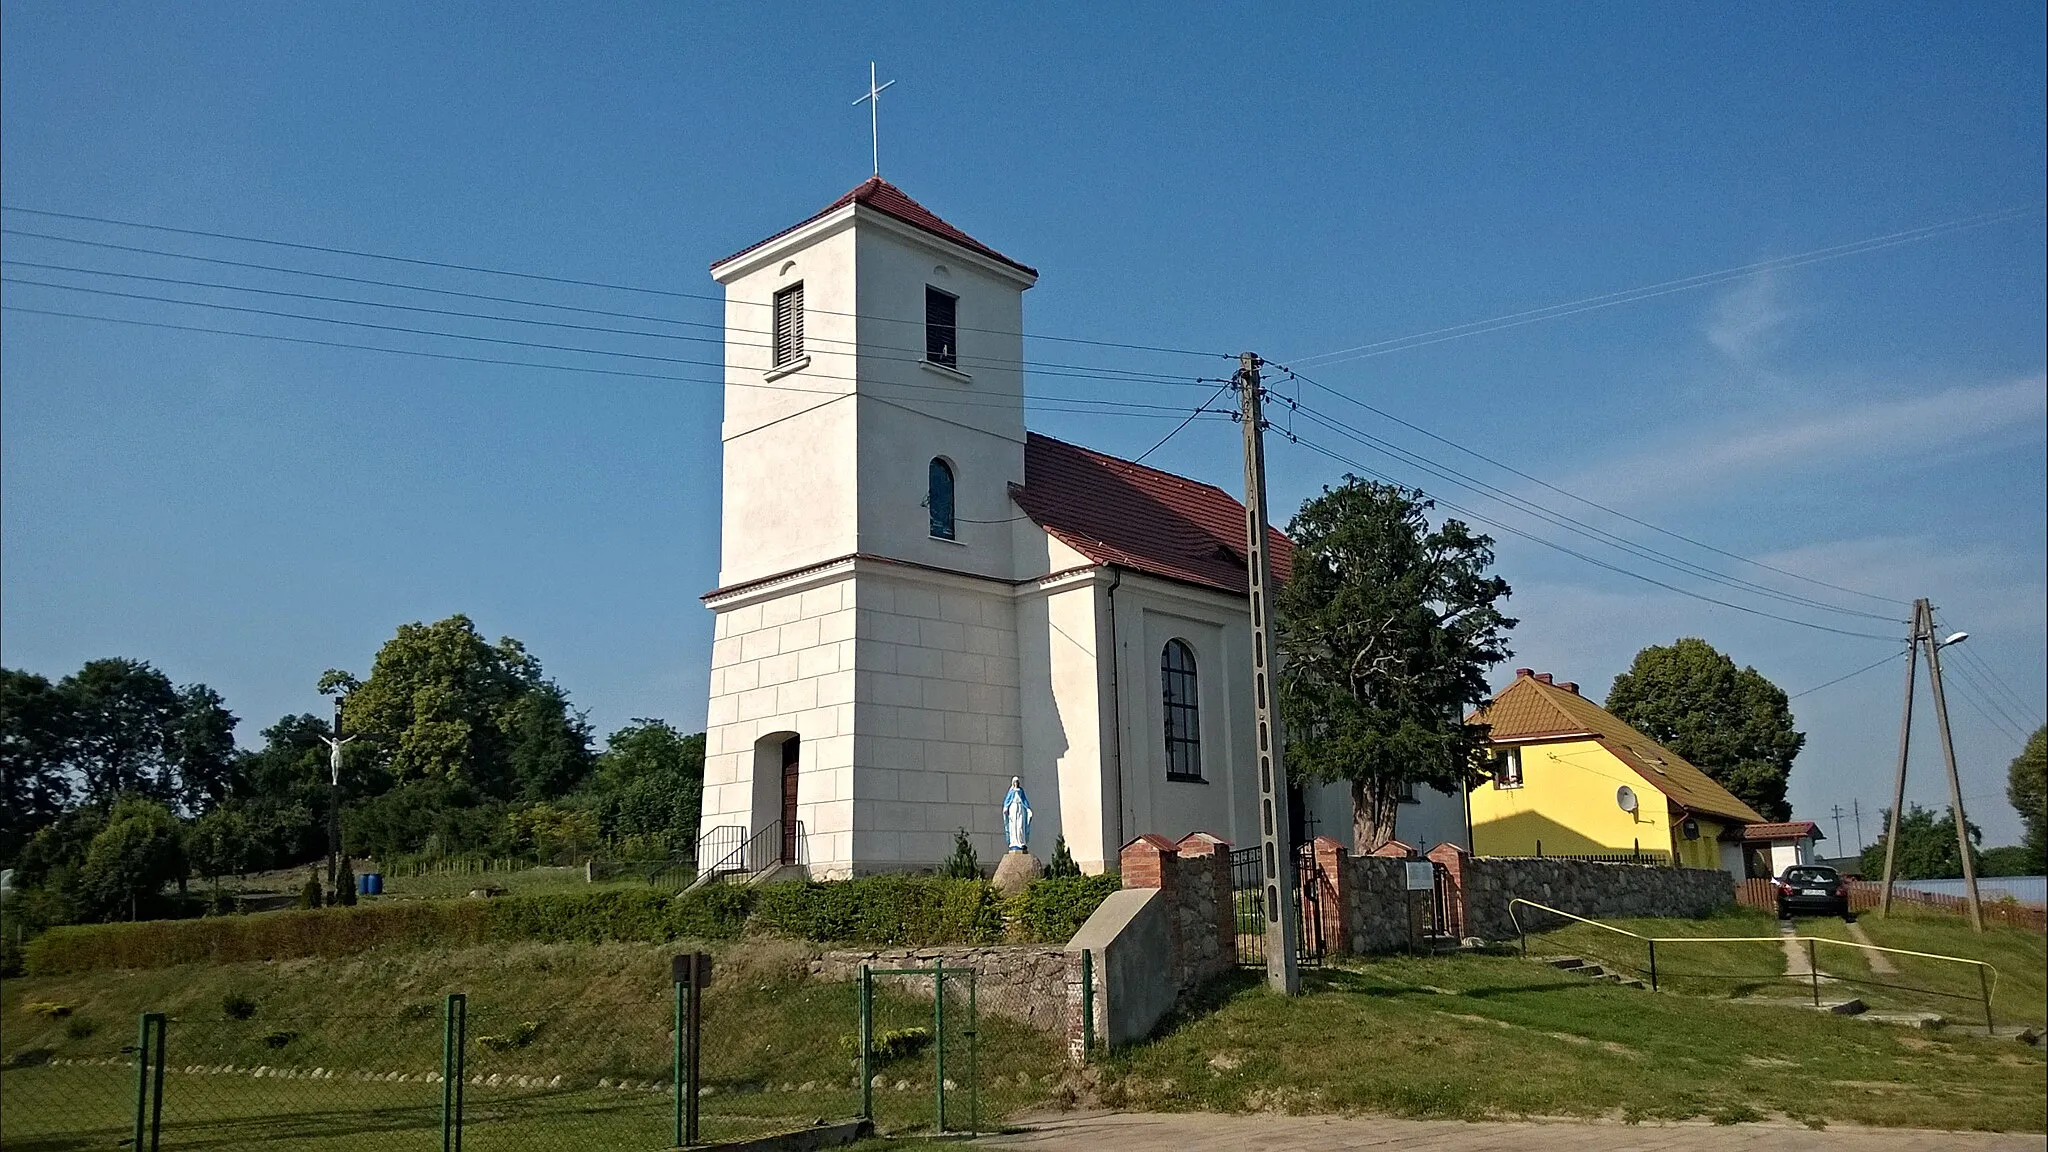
[(1183, 713), (939, 498)]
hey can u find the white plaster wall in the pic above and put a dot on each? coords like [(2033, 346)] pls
[(937, 706), (782, 660), (1434, 818), (912, 411), (1069, 755), (790, 441)]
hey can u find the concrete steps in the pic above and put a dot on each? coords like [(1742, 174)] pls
[(1581, 967)]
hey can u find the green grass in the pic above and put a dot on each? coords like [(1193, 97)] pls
[(776, 1054), (1498, 1036), (2020, 994), (1724, 970)]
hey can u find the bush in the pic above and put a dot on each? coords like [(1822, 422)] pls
[(963, 864), (1052, 909), (236, 1006), (309, 894), (882, 910), (1062, 866)]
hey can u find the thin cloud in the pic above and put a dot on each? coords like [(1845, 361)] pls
[(1743, 324)]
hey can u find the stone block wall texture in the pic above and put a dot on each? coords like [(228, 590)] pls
[(1026, 983), (1582, 888), (1193, 876), (1365, 904)]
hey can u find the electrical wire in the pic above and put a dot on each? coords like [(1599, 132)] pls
[(724, 339), (1596, 562), (566, 280), (2002, 691), (1512, 470), (1662, 288), (1178, 428), (1109, 408), (1847, 676), (1570, 524)]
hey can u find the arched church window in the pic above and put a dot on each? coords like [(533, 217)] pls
[(939, 498), (1183, 713)]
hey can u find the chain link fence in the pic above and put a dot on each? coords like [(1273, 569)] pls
[(458, 1073)]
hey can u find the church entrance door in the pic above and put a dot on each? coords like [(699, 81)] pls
[(789, 825)]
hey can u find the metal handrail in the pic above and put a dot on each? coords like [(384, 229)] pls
[(1987, 987)]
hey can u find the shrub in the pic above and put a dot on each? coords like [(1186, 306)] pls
[(1062, 865), (345, 885), (713, 912), (963, 864), (309, 893), (1052, 909), (882, 910), (236, 1006)]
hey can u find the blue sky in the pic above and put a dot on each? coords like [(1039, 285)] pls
[(249, 512)]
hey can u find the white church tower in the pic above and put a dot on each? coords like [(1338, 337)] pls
[(864, 677)]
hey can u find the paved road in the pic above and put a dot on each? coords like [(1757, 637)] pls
[(1207, 1132)]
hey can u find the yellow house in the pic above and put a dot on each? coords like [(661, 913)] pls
[(1571, 779)]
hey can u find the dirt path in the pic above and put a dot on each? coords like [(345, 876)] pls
[(1208, 1132), (1879, 962)]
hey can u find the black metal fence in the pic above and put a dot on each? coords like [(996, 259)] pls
[(1304, 884)]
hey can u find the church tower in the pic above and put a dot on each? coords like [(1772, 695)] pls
[(864, 674)]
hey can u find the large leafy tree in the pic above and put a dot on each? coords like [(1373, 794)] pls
[(34, 787), (139, 851), (1387, 628), (648, 788), (1729, 722), (443, 704), (2026, 785), (120, 711), (1927, 846)]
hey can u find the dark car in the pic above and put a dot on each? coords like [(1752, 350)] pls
[(1813, 890)]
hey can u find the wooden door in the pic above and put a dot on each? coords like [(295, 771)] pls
[(789, 767)]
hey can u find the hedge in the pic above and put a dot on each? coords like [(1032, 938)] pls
[(914, 911)]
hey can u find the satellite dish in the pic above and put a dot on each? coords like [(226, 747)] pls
[(1625, 796)]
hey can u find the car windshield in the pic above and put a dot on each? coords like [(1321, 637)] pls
[(1811, 876)]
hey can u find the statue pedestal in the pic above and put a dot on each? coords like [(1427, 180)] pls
[(1016, 870)]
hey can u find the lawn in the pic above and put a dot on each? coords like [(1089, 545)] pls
[(572, 1043), (1707, 969), (1497, 1036), (2020, 990)]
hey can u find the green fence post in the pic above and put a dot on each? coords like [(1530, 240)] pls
[(454, 1029), (1087, 1002), (1814, 969), (1653, 965), (973, 1051), (682, 1089), (141, 1077), (156, 1104), (866, 1000), (939, 1036)]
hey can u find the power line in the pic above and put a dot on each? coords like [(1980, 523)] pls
[(1178, 428), (567, 280), (499, 340), (725, 330), (2002, 691), (1662, 288), (1512, 470), (1104, 407), (1596, 562), (1573, 525), (1846, 676)]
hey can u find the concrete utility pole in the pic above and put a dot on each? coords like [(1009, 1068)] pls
[(1923, 633), (1276, 855), (1838, 823), (1856, 812)]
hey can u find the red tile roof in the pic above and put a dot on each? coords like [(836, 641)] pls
[(1116, 512), (888, 199), (1791, 830)]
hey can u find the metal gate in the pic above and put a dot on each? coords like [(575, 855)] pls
[(1248, 903), (1439, 924)]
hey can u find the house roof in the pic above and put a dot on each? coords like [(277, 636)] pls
[(1532, 708), (888, 199), (1116, 512), (1790, 830)]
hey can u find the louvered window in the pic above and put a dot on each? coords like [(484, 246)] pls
[(1183, 713), (789, 324), (941, 328)]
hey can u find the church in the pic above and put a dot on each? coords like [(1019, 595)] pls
[(920, 599)]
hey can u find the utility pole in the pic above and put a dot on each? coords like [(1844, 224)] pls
[(1923, 633), (1948, 755), (1838, 823), (1276, 854), (1856, 811)]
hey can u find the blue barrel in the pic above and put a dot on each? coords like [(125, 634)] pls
[(370, 884)]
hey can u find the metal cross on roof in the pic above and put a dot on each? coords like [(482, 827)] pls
[(873, 100)]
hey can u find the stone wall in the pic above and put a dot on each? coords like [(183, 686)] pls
[(1193, 877), (1487, 883), (1363, 901), (1028, 984)]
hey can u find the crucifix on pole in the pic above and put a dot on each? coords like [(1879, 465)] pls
[(873, 99), (334, 744)]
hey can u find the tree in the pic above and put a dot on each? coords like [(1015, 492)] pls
[(219, 843), (119, 712), (1732, 724), (963, 864), (2026, 785), (443, 704), (33, 786), (648, 787), (1927, 846), (1386, 629), (139, 851), (200, 743)]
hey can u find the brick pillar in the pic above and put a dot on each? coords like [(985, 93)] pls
[(1153, 861), (1452, 858), (1334, 893), (1209, 857), (1395, 849)]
